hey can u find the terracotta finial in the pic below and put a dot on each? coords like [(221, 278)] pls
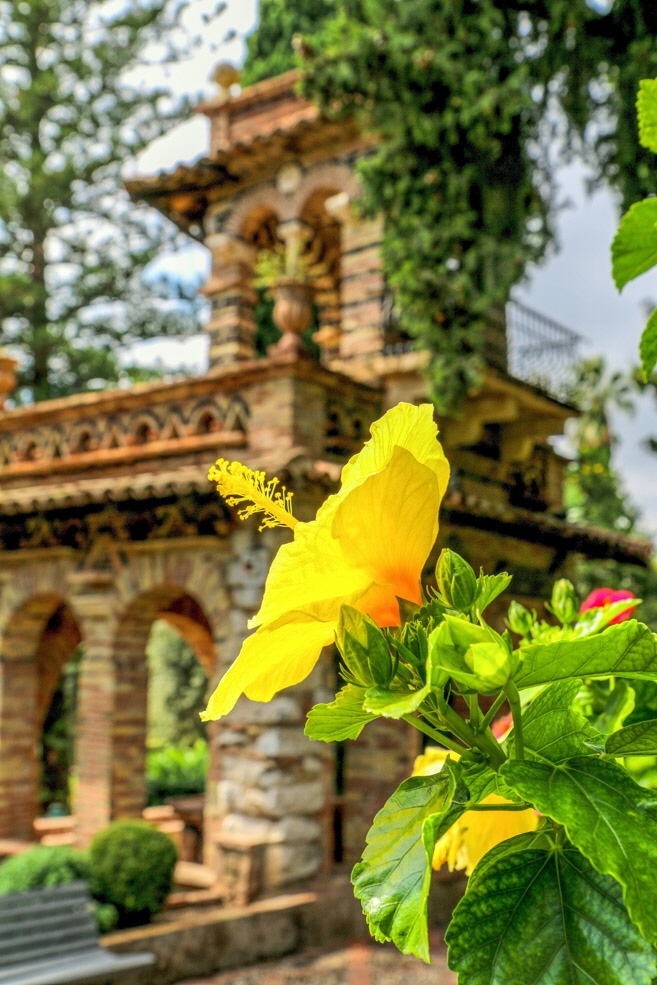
[(225, 74)]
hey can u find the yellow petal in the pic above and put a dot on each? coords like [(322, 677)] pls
[(476, 832), (310, 570), (388, 524), (404, 426), (270, 659)]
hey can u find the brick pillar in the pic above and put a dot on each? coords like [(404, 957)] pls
[(362, 285), (94, 604), (20, 716), (19, 775), (232, 297)]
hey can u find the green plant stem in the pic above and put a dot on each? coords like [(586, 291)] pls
[(486, 745), (475, 711), (513, 697), (493, 710), (435, 734)]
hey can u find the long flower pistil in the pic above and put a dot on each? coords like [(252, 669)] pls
[(239, 484)]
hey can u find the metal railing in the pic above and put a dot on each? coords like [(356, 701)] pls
[(540, 351), (528, 346)]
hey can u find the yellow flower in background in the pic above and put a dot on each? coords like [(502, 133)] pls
[(366, 547), (475, 832)]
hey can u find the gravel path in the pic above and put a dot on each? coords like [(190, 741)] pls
[(362, 963)]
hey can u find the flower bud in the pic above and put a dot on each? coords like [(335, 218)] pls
[(519, 619), (364, 649), (564, 603), (457, 582)]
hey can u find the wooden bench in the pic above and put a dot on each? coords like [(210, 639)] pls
[(50, 937)]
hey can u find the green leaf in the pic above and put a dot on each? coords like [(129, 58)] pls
[(634, 249), (648, 346), (544, 916), (490, 586), (394, 704), (618, 706), (343, 718), (627, 649), (392, 881), (553, 730), (646, 105), (639, 739), (607, 816)]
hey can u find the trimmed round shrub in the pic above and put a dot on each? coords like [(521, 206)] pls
[(41, 867), (132, 867)]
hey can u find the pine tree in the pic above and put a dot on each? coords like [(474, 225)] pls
[(74, 251)]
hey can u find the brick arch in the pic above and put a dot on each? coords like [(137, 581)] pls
[(327, 178), (39, 637), (170, 601), (263, 199)]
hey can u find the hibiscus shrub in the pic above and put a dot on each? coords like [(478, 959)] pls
[(559, 840)]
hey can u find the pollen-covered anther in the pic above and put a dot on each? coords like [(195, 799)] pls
[(239, 484)]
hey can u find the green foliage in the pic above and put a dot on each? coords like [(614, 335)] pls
[(628, 649), (132, 868), (270, 48), (393, 879), (77, 280), (464, 115), (607, 816), (344, 718), (176, 770), (634, 249), (553, 730), (546, 916), (593, 491), (58, 738), (177, 688), (639, 739), (572, 902), (41, 867)]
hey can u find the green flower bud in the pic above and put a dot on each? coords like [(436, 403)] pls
[(364, 649), (519, 619), (475, 655), (457, 582), (564, 602)]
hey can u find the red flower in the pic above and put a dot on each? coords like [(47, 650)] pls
[(600, 597), (502, 726)]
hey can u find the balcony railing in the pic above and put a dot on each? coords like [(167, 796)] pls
[(527, 345), (540, 351)]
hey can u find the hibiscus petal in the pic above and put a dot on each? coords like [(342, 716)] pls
[(404, 426), (270, 659), (310, 570), (388, 524)]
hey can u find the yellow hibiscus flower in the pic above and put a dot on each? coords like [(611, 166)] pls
[(366, 547), (475, 832)]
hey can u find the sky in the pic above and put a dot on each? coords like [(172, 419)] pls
[(573, 285)]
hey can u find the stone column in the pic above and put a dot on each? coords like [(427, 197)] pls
[(94, 604), (268, 792), (18, 745), (232, 297), (362, 287)]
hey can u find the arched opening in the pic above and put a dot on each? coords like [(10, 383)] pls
[(36, 736), (164, 655)]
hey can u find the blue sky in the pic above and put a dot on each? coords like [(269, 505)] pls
[(573, 286)]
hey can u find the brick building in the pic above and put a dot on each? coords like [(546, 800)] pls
[(107, 521)]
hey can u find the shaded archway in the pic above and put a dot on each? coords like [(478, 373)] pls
[(129, 724), (40, 638)]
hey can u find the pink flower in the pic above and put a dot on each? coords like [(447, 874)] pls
[(502, 726), (600, 597)]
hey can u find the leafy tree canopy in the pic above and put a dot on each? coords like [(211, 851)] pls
[(74, 251), (467, 99)]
